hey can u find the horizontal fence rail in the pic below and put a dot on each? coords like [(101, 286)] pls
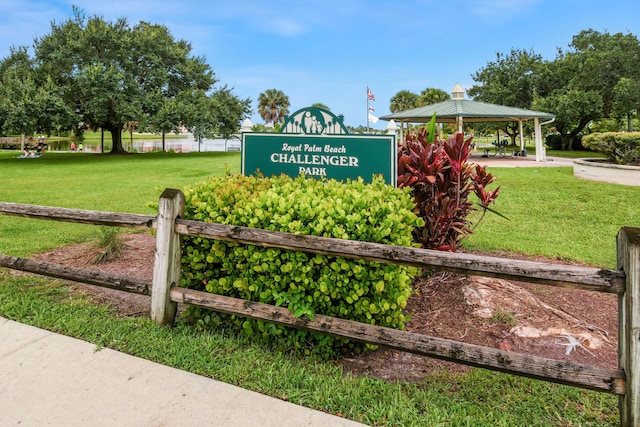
[(79, 216), (584, 376), (562, 275), (80, 275), (165, 294)]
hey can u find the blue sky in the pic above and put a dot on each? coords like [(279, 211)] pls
[(330, 51)]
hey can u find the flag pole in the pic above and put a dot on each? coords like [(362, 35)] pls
[(370, 97), (367, 100)]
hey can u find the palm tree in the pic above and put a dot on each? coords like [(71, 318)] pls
[(273, 105), (432, 95), (402, 101), (321, 105), (131, 127)]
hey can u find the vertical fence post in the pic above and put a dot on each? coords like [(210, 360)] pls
[(166, 268), (628, 243)]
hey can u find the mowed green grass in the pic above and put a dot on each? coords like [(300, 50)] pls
[(553, 214), (95, 182)]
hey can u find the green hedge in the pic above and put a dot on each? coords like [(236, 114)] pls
[(359, 290), (622, 148), (554, 142)]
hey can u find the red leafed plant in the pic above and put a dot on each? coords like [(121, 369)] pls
[(442, 181)]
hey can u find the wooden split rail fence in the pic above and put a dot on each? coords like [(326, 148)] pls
[(166, 294)]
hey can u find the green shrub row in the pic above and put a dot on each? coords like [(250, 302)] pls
[(358, 290), (622, 148)]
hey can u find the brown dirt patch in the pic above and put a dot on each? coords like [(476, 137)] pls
[(446, 305)]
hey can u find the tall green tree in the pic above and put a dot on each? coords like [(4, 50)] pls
[(112, 73), (573, 105), (577, 109), (601, 60), (228, 110), (403, 100), (29, 103), (207, 116), (509, 80), (626, 100), (273, 105), (17, 93), (578, 86), (587, 75)]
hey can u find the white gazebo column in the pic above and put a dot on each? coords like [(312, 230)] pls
[(522, 147), (541, 155), (458, 93)]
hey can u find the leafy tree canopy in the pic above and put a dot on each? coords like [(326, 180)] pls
[(626, 99), (601, 60), (110, 73), (578, 86), (320, 105), (509, 80), (28, 103)]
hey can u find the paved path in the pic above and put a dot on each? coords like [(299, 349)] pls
[(511, 162), (47, 379)]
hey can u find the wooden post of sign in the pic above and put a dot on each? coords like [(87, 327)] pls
[(629, 324), (166, 269)]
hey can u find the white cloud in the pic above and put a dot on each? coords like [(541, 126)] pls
[(501, 8), (284, 26)]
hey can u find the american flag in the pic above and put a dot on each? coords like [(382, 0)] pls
[(370, 95)]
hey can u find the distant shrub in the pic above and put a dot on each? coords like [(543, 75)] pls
[(359, 290), (622, 148), (554, 142)]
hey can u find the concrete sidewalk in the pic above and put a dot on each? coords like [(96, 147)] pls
[(47, 379), (512, 162)]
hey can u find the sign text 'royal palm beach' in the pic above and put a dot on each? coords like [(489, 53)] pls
[(311, 163)]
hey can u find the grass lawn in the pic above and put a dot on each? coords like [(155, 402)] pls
[(550, 213), (92, 181), (553, 214)]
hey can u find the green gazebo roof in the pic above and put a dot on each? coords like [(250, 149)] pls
[(470, 111)]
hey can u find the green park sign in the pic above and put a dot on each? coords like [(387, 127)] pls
[(339, 156)]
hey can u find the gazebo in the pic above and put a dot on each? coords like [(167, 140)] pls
[(458, 110)]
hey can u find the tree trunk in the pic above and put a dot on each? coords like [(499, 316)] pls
[(567, 142), (116, 140)]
